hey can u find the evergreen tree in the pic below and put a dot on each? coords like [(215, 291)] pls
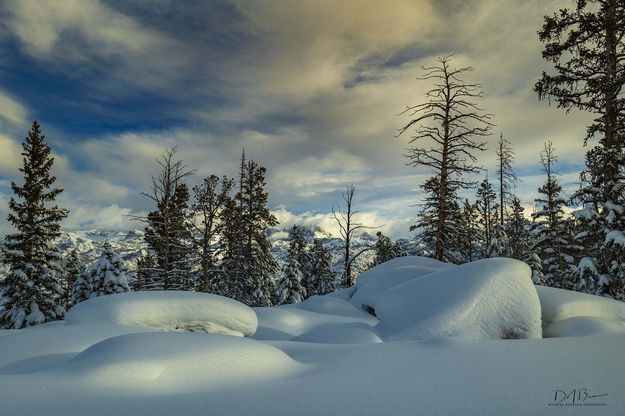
[(249, 265), (468, 239), (452, 121), (32, 291), (585, 44), (500, 244), (82, 288), (168, 233), (386, 249), (73, 270), (321, 269), (299, 246), (488, 214), (292, 288), (518, 231), (147, 272), (210, 198), (427, 224), (554, 239), (536, 265), (109, 274)]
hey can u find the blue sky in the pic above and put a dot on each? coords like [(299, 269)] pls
[(310, 88)]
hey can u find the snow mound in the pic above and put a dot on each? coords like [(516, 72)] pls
[(330, 306), (374, 282), (168, 311), (354, 333), (558, 305), (490, 298), (584, 326), (180, 362)]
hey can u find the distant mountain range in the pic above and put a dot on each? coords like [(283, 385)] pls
[(130, 245)]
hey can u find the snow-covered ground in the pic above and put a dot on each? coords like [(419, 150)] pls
[(444, 340)]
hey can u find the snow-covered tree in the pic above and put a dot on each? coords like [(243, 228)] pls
[(292, 287), (82, 288), (74, 268), (109, 274), (499, 244), (536, 265), (451, 121), (554, 235), (585, 44), (321, 269), (32, 291)]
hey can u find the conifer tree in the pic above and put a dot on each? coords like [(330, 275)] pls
[(468, 239), (291, 287), (518, 231), (249, 266), (321, 270), (74, 268), (452, 121), (168, 232), (386, 249), (553, 234), (109, 274), (488, 212), (210, 198), (585, 45), (299, 246), (82, 288), (32, 290)]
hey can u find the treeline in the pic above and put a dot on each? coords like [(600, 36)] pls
[(584, 252)]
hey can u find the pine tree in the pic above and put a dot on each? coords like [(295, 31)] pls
[(168, 233), (385, 250), (518, 231), (500, 244), (210, 198), (109, 274), (299, 246), (554, 239), (82, 288), (249, 265), (468, 240), (452, 121), (292, 288), (585, 44), (73, 270), (321, 269), (32, 291), (536, 265), (488, 214), (147, 277)]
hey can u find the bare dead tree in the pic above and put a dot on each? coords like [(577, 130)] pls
[(450, 128), (507, 178), (347, 229)]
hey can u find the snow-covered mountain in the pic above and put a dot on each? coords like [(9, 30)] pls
[(130, 245)]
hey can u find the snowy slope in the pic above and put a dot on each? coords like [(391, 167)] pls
[(325, 356)]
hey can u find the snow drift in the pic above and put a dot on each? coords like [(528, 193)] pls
[(490, 298), (168, 311)]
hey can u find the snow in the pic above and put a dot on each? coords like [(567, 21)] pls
[(489, 298), (559, 305), (168, 311), (615, 237), (326, 355)]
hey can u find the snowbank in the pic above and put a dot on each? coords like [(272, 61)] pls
[(374, 282), (584, 326), (168, 311), (490, 298), (558, 305), (352, 333), (179, 363)]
